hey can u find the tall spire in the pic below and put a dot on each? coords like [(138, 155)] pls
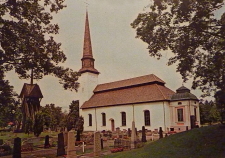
[(87, 59)]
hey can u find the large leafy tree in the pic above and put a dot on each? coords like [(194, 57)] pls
[(195, 34), (209, 112), (52, 116), (8, 103), (27, 40), (73, 115)]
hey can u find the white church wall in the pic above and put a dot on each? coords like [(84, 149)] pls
[(157, 113), (85, 114), (188, 110), (167, 116), (88, 82)]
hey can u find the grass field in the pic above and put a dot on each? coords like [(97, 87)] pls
[(205, 142), (9, 135)]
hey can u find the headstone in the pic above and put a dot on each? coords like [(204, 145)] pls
[(65, 135), (60, 146), (101, 143), (47, 144), (78, 135), (1, 141), (97, 144), (133, 136), (71, 152), (128, 132), (117, 132), (143, 135), (160, 132), (186, 128), (17, 148)]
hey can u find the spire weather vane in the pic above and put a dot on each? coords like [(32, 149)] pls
[(86, 4)]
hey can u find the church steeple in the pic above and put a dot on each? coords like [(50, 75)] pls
[(87, 59)]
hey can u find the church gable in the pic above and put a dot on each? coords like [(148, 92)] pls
[(149, 89)]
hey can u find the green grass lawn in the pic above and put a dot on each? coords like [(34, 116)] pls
[(205, 142), (9, 135)]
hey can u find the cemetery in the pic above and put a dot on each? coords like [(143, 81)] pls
[(64, 144)]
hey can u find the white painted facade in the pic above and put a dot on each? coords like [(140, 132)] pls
[(88, 81), (162, 114), (189, 107)]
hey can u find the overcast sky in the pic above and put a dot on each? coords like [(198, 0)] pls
[(118, 54)]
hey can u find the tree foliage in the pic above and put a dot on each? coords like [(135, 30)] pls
[(8, 103), (27, 40), (194, 33), (52, 116), (209, 112), (38, 124), (73, 115), (29, 124)]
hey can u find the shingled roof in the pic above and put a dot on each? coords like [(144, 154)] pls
[(183, 93), (31, 90), (142, 89), (137, 81)]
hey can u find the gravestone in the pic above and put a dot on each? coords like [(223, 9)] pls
[(133, 136), (17, 148), (1, 141), (128, 132), (47, 144), (71, 152), (143, 139), (78, 135), (117, 132), (101, 143), (65, 135), (160, 132), (97, 144), (60, 146)]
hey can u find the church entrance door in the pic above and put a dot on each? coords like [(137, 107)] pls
[(112, 125)]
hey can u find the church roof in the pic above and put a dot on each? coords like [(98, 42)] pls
[(183, 93), (142, 89), (31, 90), (137, 81)]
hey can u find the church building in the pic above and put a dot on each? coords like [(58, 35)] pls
[(144, 99)]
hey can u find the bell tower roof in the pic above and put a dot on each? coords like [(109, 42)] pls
[(87, 59)]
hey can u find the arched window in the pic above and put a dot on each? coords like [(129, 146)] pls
[(180, 115), (103, 119), (90, 119), (147, 117), (123, 118), (179, 103)]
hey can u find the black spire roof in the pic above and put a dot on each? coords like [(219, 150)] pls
[(183, 93)]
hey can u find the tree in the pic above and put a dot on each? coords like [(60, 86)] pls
[(73, 114), (52, 116), (27, 41), (209, 112), (28, 126), (195, 35), (38, 124), (79, 127), (220, 101), (8, 102)]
